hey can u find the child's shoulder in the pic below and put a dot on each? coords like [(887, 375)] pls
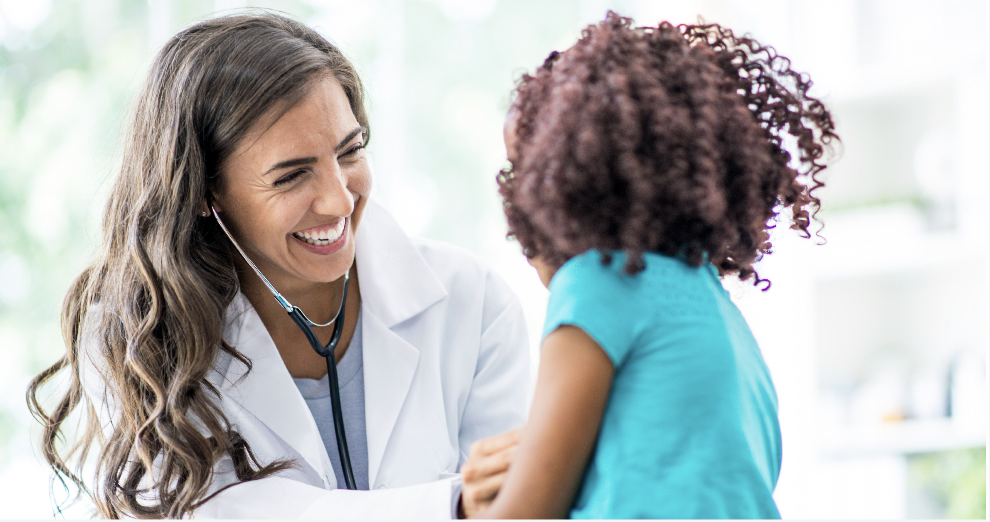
[(658, 267), (665, 279), (590, 267)]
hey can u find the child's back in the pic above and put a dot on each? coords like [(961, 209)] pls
[(690, 429)]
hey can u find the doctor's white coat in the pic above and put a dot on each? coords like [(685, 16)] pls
[(446, 363)]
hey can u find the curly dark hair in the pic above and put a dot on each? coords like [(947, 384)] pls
[(663, 139)]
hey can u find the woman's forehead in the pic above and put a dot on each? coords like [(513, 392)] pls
[(322, 115)]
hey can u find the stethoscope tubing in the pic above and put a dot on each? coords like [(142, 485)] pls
[(327, 352)]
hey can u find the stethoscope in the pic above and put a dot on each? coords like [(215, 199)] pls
[(305, 324)]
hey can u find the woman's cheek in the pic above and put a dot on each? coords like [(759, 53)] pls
[(360, 187), (359, 205), (287, 213), (361, 181)]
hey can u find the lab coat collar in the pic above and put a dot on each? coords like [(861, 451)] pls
[(403, 284)]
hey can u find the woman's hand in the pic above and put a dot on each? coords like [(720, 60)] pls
[(485, 471)]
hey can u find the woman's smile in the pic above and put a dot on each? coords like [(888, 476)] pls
[(324, 239)]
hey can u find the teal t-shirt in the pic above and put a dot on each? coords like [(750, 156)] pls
[(690, 428)]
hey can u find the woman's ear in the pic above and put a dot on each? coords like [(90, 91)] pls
[(211, 201)]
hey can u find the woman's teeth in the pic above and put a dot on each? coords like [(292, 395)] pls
[(323, 237)]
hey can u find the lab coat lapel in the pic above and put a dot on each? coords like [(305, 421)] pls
[(389, 366), (396, 284), (267, 391)]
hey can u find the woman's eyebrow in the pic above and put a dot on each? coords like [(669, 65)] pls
[(350, 136), (291, 163), (303, 161)]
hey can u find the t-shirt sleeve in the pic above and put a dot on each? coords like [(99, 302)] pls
[(600, 299)]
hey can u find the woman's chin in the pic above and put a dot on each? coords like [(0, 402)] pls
[(328, 270)]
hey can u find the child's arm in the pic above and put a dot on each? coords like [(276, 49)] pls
[(571, 392)]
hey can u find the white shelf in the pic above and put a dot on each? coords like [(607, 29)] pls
[(884, 241), (905, 437)]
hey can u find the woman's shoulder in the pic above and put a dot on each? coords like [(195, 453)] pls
[(403, 275), (391, 251), (464, 274), (451, 261)]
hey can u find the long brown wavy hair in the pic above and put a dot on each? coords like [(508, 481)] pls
[(149, 311), (668, 139)]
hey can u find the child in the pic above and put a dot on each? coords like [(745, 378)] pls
[(647, 163)]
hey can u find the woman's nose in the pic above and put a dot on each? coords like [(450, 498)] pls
[(332, 197)]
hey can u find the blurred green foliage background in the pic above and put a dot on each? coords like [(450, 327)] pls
[(955, 480)]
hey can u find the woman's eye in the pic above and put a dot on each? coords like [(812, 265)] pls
[(287, 178), (353, 150)]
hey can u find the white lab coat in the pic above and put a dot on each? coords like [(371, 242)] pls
[(445, 364)]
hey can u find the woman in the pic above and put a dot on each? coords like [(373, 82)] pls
[(202, 395)]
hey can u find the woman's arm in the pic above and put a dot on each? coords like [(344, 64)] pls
[(571, 392), (500, 386)]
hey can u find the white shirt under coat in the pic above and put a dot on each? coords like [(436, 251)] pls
[(446, 363)]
